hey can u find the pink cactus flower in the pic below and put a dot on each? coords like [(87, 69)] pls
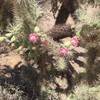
[(63, 52), (75, 41), (33, 37)]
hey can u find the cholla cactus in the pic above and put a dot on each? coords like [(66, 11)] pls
[(85, 92), (91, 41), (26, 14), (89, 15)]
